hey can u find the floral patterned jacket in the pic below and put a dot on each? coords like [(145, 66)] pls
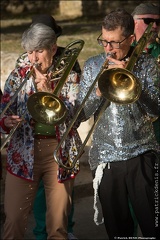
[(20, 152)]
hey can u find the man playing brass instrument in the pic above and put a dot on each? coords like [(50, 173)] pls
[(123, 153), (143, 14)]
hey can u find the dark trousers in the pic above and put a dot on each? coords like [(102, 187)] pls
[(134, 179)]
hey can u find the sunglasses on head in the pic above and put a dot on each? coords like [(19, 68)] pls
[(149, 20)]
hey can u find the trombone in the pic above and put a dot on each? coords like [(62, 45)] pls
[(19, 89), (158, 41), (116, 85), (48, 108), (7, 108)]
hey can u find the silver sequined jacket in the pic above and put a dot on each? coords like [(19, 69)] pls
[(123, 131)]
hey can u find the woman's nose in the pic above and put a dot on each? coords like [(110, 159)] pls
[(34, 57)]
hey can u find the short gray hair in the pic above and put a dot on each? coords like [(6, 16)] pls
[(38, 36)]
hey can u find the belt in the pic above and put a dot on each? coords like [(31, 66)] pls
[(44, 137), (44, 130)]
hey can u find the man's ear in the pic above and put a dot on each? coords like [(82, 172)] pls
[(132, 38)]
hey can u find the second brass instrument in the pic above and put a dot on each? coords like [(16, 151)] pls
[(116, 85), (7, 108)]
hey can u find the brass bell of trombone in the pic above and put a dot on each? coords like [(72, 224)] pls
[(47, 108), (119, 86), (116, 85)]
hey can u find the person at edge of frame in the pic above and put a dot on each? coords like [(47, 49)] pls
[(30, 150), (1, 166), (123, 156), (39, 207), (144, 14)]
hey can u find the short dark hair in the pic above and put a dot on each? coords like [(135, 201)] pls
[(119, 18)]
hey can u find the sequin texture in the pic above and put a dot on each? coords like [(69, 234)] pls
[(123, 131)]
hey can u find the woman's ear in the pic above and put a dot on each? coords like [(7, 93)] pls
[(54, 49)]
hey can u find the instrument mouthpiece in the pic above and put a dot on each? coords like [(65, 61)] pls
[(36, 64)]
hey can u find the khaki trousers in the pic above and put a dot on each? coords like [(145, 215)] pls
[(19, 196)]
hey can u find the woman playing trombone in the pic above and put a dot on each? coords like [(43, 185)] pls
[(30, 150)]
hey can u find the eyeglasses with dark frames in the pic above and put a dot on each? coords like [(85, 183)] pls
[(149, 20), (113, 44)]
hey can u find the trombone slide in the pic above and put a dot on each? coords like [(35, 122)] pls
[(115, 77)]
